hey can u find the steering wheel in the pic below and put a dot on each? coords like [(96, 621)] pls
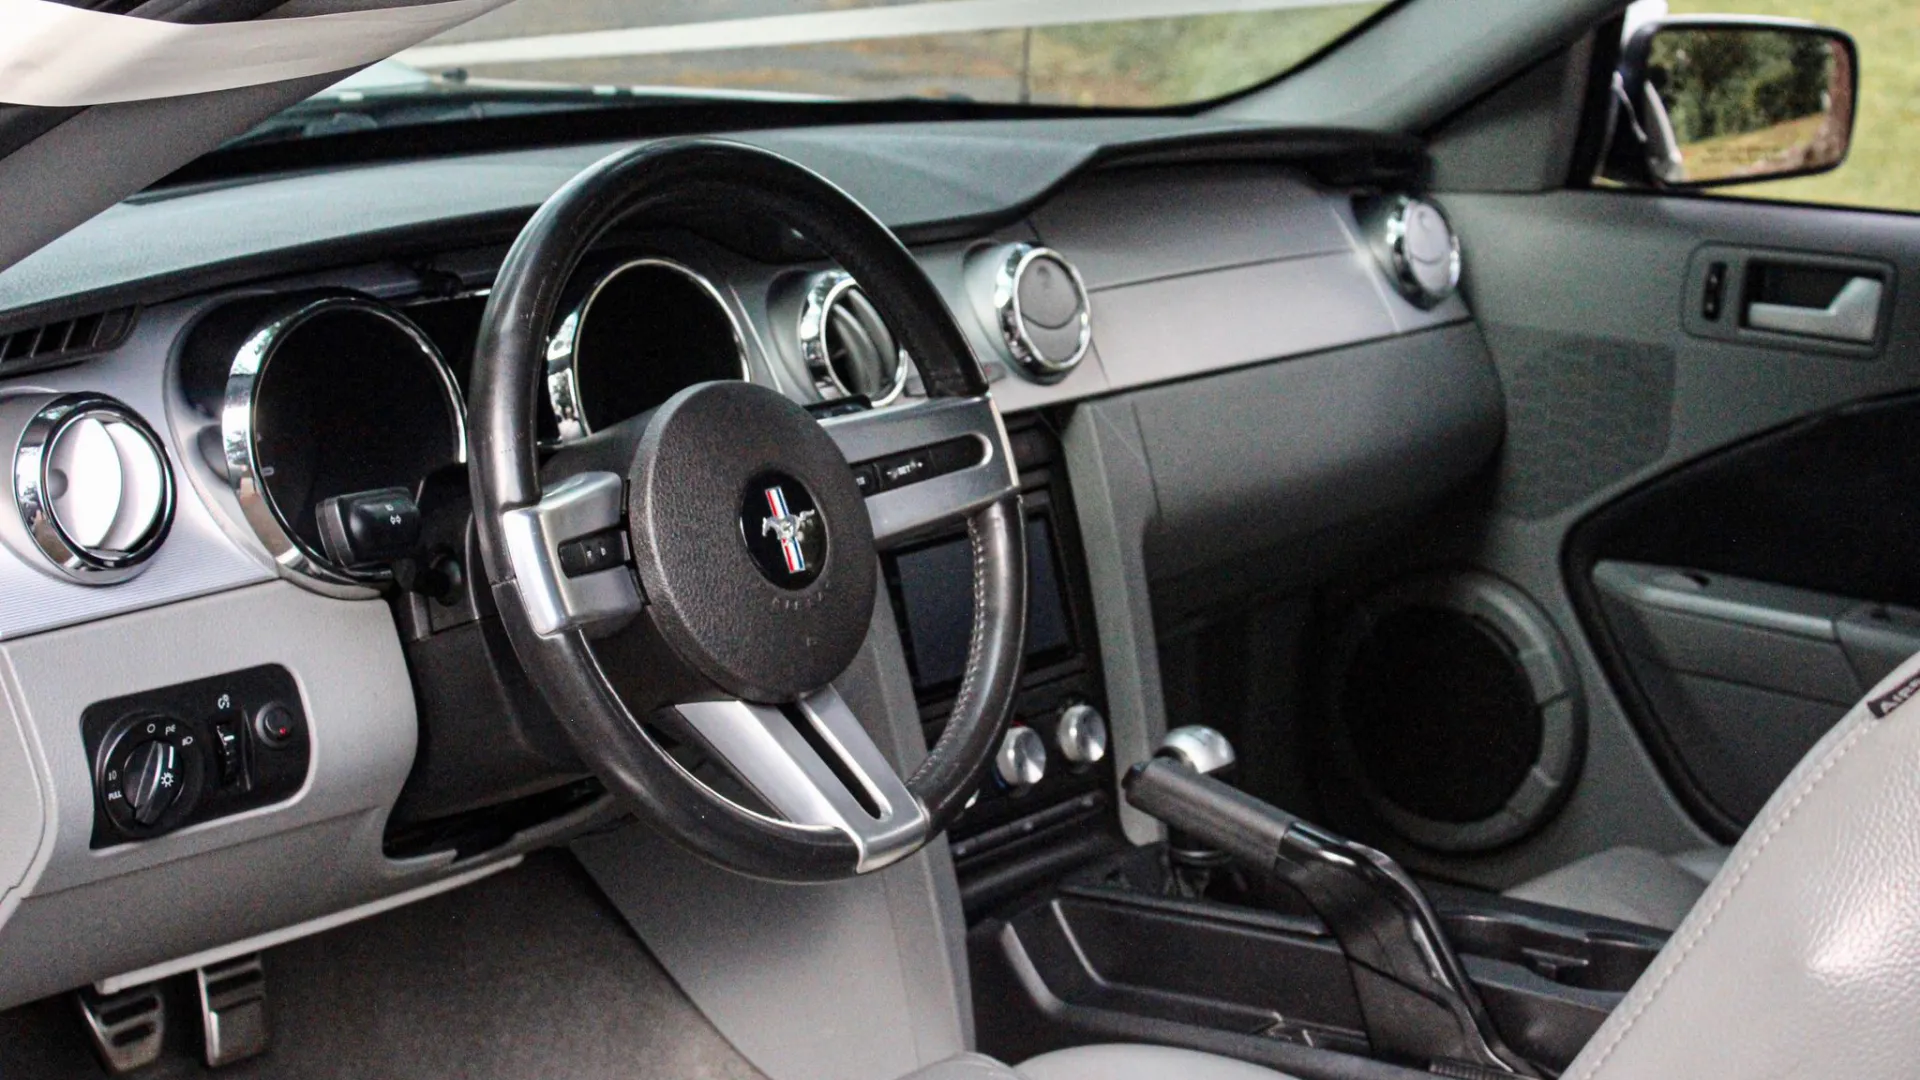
[(699, 575)]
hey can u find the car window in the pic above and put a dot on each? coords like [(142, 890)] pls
[(1083, 54), (1882, 170)]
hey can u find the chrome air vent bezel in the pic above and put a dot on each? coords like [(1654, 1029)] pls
[(826, 291), (33, 480), (1390, 229), (1033, 360)]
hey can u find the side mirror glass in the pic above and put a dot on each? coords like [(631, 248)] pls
[(1730, 101)]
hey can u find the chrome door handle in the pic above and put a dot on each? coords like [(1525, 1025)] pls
[(1854, 315)]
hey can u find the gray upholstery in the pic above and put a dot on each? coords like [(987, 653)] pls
[(965, 1067), (1114, 1062), (1629, 883), (1117, 1062), (1803, 958)]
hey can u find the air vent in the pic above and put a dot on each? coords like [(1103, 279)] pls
[(62, 342), (1042, 307), (848, 348), (92, 485), (1416, 246)]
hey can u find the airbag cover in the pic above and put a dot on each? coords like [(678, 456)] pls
[(752, 541)]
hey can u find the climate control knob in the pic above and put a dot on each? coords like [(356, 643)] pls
[(1081, 735), (1022, 760)]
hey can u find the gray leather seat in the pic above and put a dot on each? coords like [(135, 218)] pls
[(1115, 1062), (1629, 883)]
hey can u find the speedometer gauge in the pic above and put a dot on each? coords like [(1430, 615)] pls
[(330, 396)]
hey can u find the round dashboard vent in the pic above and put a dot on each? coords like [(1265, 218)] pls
[(1042, 308), (93, 487), (848, 348), (1417, 247)]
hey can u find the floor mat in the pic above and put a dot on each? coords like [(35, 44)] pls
[(526, 974)]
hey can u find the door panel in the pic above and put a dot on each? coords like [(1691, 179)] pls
[(1740, 678), (1638, 435), (1772, 589)]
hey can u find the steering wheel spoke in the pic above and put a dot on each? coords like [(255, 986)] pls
[(815, 765), (926, 464), (570, 554)]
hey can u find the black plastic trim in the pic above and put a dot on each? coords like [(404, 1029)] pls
[(1599, 536)]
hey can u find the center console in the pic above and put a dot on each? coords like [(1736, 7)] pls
[(1258, 935), (1250, 932), (1048, 800)]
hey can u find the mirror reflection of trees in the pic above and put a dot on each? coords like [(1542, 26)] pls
[(1747, 102)]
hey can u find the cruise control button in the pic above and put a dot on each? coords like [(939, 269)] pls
[(867, 479), (591, 554), (903, 469)]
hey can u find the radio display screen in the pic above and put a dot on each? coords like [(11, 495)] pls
[(936, 596)]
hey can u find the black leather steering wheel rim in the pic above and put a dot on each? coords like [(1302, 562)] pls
[(678, 179)]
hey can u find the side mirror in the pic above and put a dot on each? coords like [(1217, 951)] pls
[(1702, 102)]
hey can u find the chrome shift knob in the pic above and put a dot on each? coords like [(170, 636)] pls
[(1198, 747)]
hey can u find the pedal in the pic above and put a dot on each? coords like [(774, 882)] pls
[(128, 1028), (233, 1009)]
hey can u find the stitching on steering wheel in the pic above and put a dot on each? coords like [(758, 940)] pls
[(1867, 724), (970, 679)]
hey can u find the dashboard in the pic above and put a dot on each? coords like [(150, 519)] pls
[(236, 416)]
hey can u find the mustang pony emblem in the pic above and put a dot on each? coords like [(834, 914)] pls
[(789, 528)]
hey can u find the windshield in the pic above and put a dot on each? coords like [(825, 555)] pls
[(551, 54)]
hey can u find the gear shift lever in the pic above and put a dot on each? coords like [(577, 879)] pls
[(1413, 992), (1192, 861)]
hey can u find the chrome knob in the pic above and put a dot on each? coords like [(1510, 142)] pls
[(1022, 759), (1081, 735), (1198, 747)]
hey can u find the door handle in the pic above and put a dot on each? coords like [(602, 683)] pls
[(1853, 315)]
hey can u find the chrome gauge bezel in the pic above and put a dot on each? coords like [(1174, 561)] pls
[(824, 290), (239, 426), (1393, 229), (1013, 328), (563, 345), (32, 466)]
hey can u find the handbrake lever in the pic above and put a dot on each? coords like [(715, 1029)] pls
[(1413, 991)]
